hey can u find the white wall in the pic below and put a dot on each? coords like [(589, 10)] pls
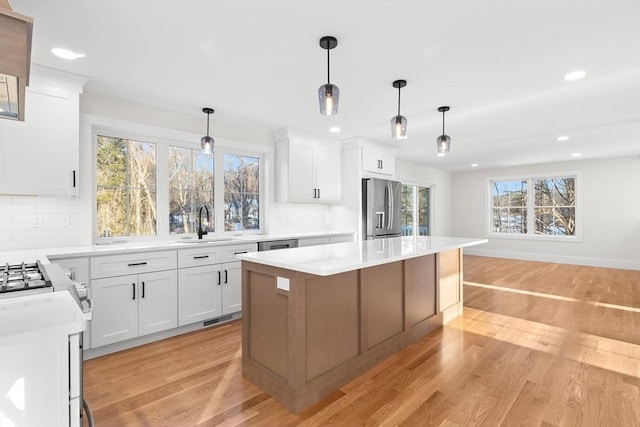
[(440, 183), (610, 199)]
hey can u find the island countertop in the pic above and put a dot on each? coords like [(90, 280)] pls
[(325, 260)]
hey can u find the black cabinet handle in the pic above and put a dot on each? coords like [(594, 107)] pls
[(142, 289), (133, 264), (225, 276), (218, 277), (74, 179), (381, 164), (315, 193), (318, 193), (133, 285), (240, 252), (201, 257)]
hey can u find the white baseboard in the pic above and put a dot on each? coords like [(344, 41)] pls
[(561, 259)]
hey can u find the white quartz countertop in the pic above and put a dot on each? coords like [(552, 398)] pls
[(325, 260), (29, 317), (46, 255)]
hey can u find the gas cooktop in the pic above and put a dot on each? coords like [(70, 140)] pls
[(23, 277)]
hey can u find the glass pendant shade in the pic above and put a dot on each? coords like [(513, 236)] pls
[(399, 127), (329, 97), (444, 144), (206, 142)]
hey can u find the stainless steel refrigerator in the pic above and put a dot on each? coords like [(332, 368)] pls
[(380, 208)]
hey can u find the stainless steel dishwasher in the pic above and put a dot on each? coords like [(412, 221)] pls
[(271, 245)]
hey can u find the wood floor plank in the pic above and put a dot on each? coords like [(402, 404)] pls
[(538, 344)]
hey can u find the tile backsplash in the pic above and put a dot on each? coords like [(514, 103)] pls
[(29, 222)]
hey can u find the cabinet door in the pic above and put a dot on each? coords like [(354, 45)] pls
[(231, 287), (376, 162), (199, 294), (301, 186), (115, 309), (326, 169), (157, 306), (40, 155)]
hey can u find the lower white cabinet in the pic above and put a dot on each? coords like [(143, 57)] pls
[(133, 305), (210, 282), (199, 294)]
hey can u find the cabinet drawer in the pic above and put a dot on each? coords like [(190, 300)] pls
[(198, 256), (229, 252), (142, 262)]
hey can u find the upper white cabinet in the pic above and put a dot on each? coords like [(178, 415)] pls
[(378, 161), (374, 158), (40, 156), (308, 167)]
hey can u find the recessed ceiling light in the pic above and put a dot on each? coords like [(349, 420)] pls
[(563, 138), (334, 129), (577, 154), (441, 154), (575, 75), (66, 54), (474, 165)]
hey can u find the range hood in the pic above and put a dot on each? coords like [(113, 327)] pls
[(15, 61)]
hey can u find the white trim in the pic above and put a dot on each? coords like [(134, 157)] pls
[(560, 259)]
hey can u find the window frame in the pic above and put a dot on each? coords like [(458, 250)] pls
[(153, 134), (530, 207)]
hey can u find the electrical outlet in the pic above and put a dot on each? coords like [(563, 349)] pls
[(38, 221)]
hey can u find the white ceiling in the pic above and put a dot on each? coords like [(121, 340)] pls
[(498, 64)]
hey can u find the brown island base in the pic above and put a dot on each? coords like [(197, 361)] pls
[(301, 344)]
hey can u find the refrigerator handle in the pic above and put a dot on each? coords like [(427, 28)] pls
[(390, 207)]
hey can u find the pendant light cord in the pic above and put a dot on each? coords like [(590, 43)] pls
[(443, 122), (208, 114), (398, 100), (328, 68)]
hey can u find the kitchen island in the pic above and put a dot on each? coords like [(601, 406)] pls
[(315, 318)]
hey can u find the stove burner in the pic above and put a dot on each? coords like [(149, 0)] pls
[(22, 277)]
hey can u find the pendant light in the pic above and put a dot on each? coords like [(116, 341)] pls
[(399, 123), (444, 141), (328, 94), (207, 141)]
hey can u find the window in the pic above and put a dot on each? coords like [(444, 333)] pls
[(241, 192), (534, 206), (153, 187), (191, 180), (126, 187), (415, 210)]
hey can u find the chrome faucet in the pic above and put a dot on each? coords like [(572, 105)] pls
[(200, 231)]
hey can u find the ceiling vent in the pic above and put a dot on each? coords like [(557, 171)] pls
[(15, 61)]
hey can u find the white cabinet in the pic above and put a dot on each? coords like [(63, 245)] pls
[(210, 282), (135, 305), (129, 305), (199, 295), (308, 168), (377, 161), (40, 156)]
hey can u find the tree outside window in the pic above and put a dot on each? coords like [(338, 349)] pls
[(126, 187), (241, 192), (549, 203), (191, 184), (414, 209)]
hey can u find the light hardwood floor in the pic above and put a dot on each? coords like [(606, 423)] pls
[(539, 344)]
